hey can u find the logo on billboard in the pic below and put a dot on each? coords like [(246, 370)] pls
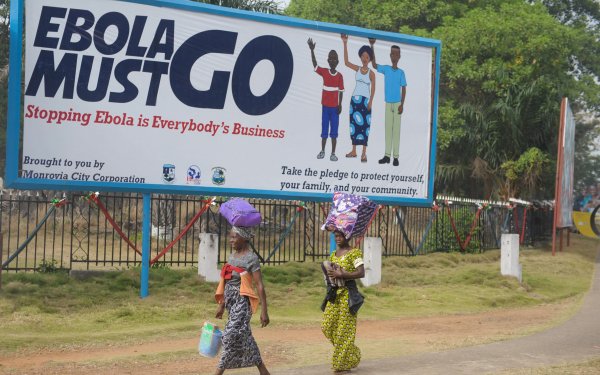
[(218, 176), (193, 175), (168, 173)]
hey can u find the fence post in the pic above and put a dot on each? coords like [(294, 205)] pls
[(509, 256), (372, 261), (208, 257), (145, 266)]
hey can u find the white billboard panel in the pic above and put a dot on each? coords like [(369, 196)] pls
[(190, 98)]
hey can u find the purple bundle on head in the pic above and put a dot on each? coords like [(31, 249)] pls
[(239, 213)]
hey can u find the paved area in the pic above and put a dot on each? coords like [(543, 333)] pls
[(576, 340)]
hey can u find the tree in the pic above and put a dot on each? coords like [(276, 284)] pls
[(523, 175), (264, 6), (388, 15), (504, 72), (505, 67), (587, 151), (584, 12)]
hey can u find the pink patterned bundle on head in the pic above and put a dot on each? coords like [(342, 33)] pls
[(350, 214)]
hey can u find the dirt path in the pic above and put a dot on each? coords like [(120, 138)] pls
[(577, 340), (293, 347)]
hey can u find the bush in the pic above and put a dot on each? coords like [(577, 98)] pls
[(48, 266), (442, 237)]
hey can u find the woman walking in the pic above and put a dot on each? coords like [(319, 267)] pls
[(236, 294), (362, 97), (342, 302)]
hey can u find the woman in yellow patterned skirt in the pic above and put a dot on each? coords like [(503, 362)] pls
[(342, 303)]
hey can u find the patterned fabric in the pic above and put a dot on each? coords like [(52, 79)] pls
[(350, 214), (239, 346), (246, 233), (360, 120), (339, 325), (241, 279), (248, 261)]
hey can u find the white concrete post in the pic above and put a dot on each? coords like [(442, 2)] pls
[(372, 259), (208, 257), (509, 255)]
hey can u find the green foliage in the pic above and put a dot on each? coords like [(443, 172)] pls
[(49, 266), (292, 273), (159, 265), (506, 64), (387, 15), (264, 6), (4, 32), (505, 70), (442, 232), (587, 170), (577, 12), (524, 174)]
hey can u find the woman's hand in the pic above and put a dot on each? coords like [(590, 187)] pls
[(335, 272), (264, 318), (262, 295), (220, 310), (344, 37)]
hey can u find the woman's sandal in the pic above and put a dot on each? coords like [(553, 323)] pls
[(350, 155), (363, 158)]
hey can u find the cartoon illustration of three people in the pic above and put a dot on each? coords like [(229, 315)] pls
[(361, 100)]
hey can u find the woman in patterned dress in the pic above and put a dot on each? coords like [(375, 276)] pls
[(362, 97), (235, 294), (342, 303)]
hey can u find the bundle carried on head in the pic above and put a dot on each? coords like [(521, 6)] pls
[(241, 215), (350, 214)]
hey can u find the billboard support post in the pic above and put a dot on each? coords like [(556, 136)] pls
[(144, 275), (332, 244)]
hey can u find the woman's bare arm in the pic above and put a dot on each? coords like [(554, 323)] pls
[(346, 61)]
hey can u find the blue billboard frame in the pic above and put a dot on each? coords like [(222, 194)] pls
[(13, 180)]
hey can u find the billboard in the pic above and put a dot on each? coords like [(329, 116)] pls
[(565, 167), (183, 97)]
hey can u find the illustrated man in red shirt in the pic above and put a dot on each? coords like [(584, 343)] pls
[(333, 91)]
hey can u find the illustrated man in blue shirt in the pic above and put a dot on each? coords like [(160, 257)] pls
[(395, 93)]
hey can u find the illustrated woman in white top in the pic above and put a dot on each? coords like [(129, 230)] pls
[(362, 97)]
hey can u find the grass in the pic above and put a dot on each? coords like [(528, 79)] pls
[(41, 310)]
